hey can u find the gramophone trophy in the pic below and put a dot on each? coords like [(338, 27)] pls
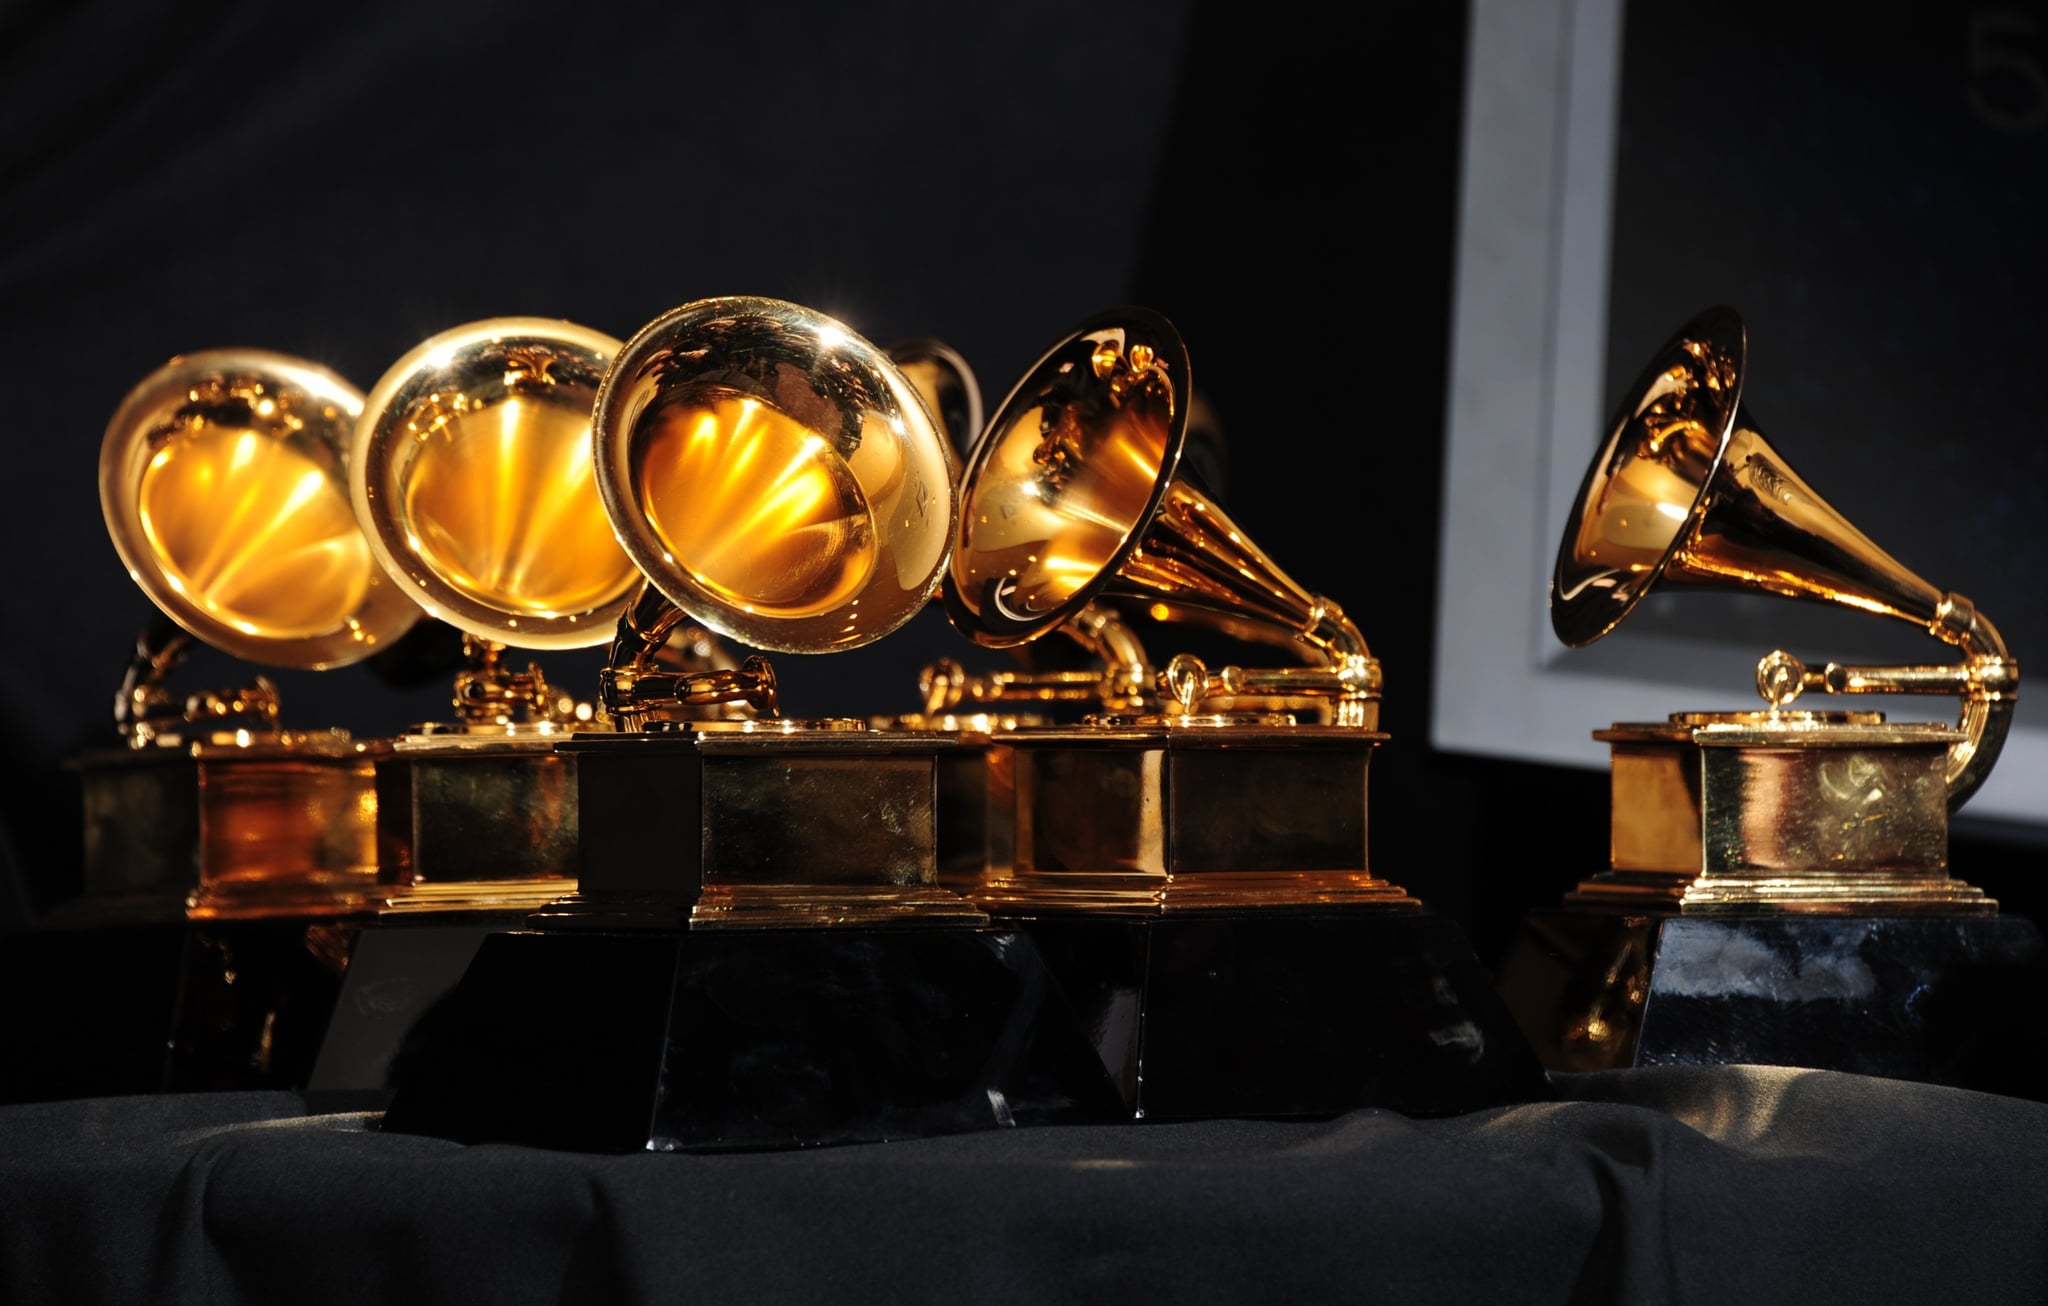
[(472, 481), (1193, 857), (759, 951), (1779, 889), (223, 477)]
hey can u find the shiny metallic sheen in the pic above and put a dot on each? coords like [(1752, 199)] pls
[(224, 481), (774, 474), (1686, 492), (1779, 810), (1073, 493), (473, 483)]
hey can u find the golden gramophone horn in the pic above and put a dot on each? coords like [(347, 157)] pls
[(1074, 492), (1686, 492), (473, 483), (773, 474), (948, 387), (224, 480)]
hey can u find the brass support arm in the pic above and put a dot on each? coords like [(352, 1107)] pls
[(632, 691), (1987, 680), (1117, 686)]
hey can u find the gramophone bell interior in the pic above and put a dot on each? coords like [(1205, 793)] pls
[(474, 483), (1068, 476), (224, 481)]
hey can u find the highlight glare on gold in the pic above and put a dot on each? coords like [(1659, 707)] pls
[(760, 509), (255, 531), (503, 507)]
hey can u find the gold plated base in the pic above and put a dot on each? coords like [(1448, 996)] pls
[(781, 906), (1749, 813), (231, 830), (1155, 819), (508, 895), (261, 900), (476, 813), (759, 829)]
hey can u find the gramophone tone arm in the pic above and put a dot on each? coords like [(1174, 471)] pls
[(1987, 680), (1352, 687), (1782, 678), (946, 686), (631, 689), (1117, 686)]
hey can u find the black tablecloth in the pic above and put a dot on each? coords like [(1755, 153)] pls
[(1697, 1185)]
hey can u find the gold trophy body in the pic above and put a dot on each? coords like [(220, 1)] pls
[(1073, 496), (1193, 855), (473, 483), (223, 477), (1779, 881), (759, 951), (781, 481)]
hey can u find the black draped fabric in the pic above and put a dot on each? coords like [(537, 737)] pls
[(1685, 1186)]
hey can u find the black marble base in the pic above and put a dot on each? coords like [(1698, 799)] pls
[(669, 1040), (398, 970), (1944, 1000), (107, 1009), (254, 998), (1291, 1015)]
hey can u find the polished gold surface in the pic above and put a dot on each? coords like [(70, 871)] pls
[(1778, 810), (246, 826), (1073, 493), (473, 482), (224, 481), (1149, 820), (1185, 790), (949, 389), (774, 474), (1773, 812), (1120, 682), (1686, 492), (768, 519)]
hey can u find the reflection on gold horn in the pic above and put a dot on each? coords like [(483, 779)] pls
[(1074, 493), (224, 480), (1687, 493), (775, 476)]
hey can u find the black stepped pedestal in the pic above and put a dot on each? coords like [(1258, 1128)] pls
[(254, 998), (1945, 1000), (1291, 1015), (397, 972), (667, 1040)]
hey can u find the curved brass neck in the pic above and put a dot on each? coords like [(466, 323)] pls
[(633, 692), (146, 713)]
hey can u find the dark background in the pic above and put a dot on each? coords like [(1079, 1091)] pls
[(343, 184)]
